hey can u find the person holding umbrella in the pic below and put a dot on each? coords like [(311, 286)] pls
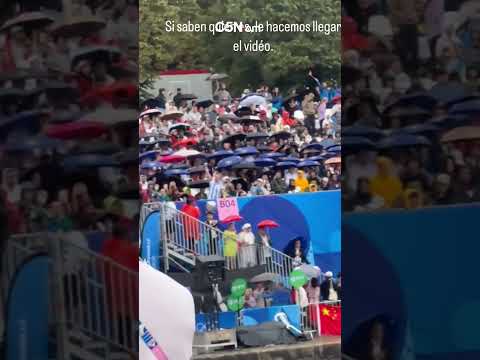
[(264, 240)]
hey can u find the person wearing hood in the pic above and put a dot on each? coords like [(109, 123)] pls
[(301, 181), (386, 184)]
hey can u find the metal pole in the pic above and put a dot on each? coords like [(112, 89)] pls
[(163, 236), (55, 250)]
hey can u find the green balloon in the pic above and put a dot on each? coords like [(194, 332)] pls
[(238, 287), (235, 303), (297, 278)]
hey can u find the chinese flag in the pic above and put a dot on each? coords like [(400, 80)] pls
[(331, 320)]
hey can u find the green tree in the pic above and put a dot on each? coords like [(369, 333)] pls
[(286, 65)]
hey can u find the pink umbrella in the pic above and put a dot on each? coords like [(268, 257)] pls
[(172, 159), (267, 224), (334, 160), (76, 130), (231, 218)]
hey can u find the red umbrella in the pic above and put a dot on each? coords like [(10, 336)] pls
[(171, 159), (185, 143), (111, 93), (231, 218), (267, 224), (75, 130)]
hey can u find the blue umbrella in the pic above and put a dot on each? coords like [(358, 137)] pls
[(245, 151), (24, 118), (335, 149), (272, 155), (175, 172), (418, 129), (89, 161), (264, 162), (353, 144), (423, 100), (30, 144), (466, 107), (307, 163), (316, 158), (315, 146), (403, 140), (452, 121), (448, 92), (461, 99), (151, 155), (290, 159), (220, 154), (327, 143), (149, 165), (229, 162), (365, 131), (285, 165)]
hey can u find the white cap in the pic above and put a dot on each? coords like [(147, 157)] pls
[(246, 226), (328, 274)]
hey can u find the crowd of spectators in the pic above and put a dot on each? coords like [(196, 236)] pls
[(69, 102), (410, 103), (258, 143)]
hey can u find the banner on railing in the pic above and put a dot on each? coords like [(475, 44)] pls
[(227, 207), (27, 322), (150, 250)]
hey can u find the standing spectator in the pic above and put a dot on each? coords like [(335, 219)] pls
[(216, 186), (247, 249), (191, 227), (265, 243), (385, 184), (328, 291), (308, 108), (212, 234), (301, 182), (313, 291), (230, 246)]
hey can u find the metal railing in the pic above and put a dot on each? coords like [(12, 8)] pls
[(94, 300), (311, 317), (185, 237)]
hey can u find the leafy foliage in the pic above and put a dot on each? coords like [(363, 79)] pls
[(291, 55)]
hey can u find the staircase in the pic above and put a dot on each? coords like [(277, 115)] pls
[(82, 324), (184, 238)]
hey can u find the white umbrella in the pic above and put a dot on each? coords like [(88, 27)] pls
[(112, 117), (175, 338), (252, 99), (178, 126), (186, 153), (311, 271), (264, 277)]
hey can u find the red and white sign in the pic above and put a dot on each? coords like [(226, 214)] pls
[(227, 207)]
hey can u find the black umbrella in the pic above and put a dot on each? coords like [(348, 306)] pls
[(78, 26), (152, 104), (257, 136), (198, 184), (197, 170), (187, 97), (204, 103), (250, 119), (365, 131), (245, 165), (245, 111), (234, 138), (352, 144), (106, 54), (281, 135), (402, 141)]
